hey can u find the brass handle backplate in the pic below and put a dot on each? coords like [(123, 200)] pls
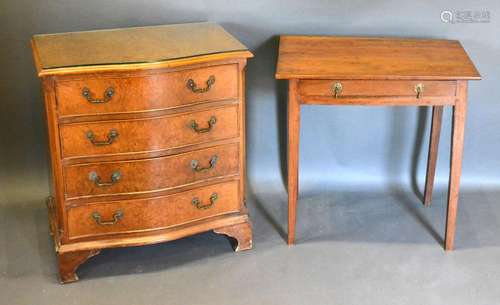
[(419, 89), (337, 89), (112, 135), (200, 206), (117, 216), (211, 124), (115, 177), (195, 166), (192, 85), (108, 94)]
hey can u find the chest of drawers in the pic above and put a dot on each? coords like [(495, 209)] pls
[(147, 137)]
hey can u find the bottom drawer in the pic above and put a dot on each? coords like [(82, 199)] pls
[(153, 213)]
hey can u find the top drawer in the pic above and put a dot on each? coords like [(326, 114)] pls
[(376, 88), (100, 95)]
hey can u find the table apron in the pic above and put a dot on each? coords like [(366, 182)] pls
[(379, 100)]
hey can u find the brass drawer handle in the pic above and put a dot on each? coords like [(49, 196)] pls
[(211, 124), (200, 206), (112, 135), (115, 177), (419, 89), (337, 89), (108, 94), (195, 166), (117, 216), (192, 85)]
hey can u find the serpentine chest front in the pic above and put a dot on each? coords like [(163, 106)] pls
[(147, 139)]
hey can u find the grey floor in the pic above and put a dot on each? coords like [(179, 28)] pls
[(353, 248)]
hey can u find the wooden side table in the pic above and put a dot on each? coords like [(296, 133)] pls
[(326, 70)]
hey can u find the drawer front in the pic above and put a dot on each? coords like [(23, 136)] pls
[(148, 175), (100, 95), (353, 88), (155, 213), (152, 134)]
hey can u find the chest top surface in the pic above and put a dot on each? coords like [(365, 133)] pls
[(331, 57), (136, 45)]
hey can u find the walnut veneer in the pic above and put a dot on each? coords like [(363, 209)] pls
[(147, 139)]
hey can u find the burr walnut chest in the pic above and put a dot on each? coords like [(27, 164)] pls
[(147, 137)]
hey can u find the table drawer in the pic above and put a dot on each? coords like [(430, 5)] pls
[(125, 177), (154, 213), (101, 95), (151, 134), (366, 88)]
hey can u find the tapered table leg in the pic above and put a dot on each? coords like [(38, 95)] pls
[(459, 111), (437, 115), (293, 156)]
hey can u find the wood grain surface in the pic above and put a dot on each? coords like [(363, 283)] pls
[(335, 57), (153, 213), (132, 45), (156, 91), (151, 134)]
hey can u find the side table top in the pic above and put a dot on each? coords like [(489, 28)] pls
[(337, 57)]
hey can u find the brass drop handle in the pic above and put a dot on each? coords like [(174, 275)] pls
[(112, 135), (211, 124), (108, 94), (337, 89), (195, 166), (192, 85), (115, 177), (117, 216), (200, 206), (419, 89)]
